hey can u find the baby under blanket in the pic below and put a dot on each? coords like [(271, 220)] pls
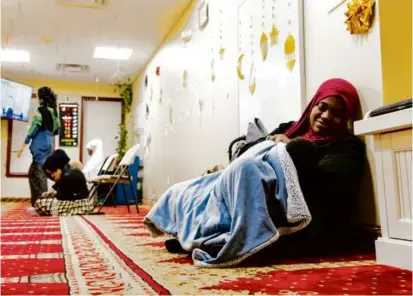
[(230, 207)]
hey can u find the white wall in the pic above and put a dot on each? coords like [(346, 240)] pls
[(199, 139), (198, 143), (332, 52)]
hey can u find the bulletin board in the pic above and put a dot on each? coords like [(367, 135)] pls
[(69, 124), (17, 132), (270, 88)]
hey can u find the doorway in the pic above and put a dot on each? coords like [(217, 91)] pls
[(100, 120)]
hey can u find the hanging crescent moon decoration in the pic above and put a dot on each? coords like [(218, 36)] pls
[(239, 67), (264, 46)]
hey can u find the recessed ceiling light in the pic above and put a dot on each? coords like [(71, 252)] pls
[(15, 55), (112, 53)]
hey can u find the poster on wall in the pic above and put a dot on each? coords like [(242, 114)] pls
[(69, 120)]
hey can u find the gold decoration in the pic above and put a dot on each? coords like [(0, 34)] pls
[(171, 117), (274, 30), (221, 53), (360, 14), (47, 39), (185, 79), (5, 40), (274, 35), (289, 51), (264, 37), (212, 70), (239, 67), (264, 46), (221, 47), (252, 82)]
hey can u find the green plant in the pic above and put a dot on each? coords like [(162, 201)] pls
[(122, 140), (125, 91)]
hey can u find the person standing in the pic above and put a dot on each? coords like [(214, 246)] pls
[(44, 127)]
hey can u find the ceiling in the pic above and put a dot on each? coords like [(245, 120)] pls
[(54, 33)]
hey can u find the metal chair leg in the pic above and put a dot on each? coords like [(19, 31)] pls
[(125, 196), (135, 195), (113, 200), (111, 190)]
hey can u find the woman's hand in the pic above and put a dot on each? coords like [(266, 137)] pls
[(279, 138), (49, 194), (19, 153)]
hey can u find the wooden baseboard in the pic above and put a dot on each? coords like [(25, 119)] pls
[(15, 199), (147, 201), (393, 252)]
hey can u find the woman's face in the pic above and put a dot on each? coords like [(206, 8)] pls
[(55, 175), (327, 115), (89, 151)]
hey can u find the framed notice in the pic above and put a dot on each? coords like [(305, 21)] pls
[(69, 124)]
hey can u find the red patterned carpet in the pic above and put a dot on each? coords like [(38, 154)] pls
[(114, 254)]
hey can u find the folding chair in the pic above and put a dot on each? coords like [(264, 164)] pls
[(121, 176), (106, 167)]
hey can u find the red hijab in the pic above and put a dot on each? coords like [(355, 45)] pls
[(332, 87)]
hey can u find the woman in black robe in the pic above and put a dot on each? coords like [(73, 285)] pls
[(332, 188)]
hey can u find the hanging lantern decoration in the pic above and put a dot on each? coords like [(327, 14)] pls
[(289, 51)]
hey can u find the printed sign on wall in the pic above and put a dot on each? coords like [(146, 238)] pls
[(69, 120)]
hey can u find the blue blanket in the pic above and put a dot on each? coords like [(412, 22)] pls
[(230, 207)]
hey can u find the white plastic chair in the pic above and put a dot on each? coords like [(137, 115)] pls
[(121, 176), (107, 166)]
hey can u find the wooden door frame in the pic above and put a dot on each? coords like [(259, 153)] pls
[(82, 129), (9, 146)]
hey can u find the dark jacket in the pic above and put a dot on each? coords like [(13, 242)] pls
[(71, 185), (331, 191)]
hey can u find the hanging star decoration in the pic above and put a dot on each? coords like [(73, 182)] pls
[(360, 15), (274, 35), (221, 53)]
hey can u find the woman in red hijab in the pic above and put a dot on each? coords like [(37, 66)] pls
[(331, 191), (326, 117)]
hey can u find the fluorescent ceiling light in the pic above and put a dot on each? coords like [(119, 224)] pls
[(112, 53), (14, 55)]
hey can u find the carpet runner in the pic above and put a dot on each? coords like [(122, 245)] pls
[(114, 254)]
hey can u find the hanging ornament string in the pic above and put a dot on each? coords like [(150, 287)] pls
[(185, 78), (241, 76), (221, 47), (212, 61), (274, 30), (264, 37), (252, 82), (289, 44), (160, 96)]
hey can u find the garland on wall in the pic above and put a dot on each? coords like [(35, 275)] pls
[(125, 91)]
